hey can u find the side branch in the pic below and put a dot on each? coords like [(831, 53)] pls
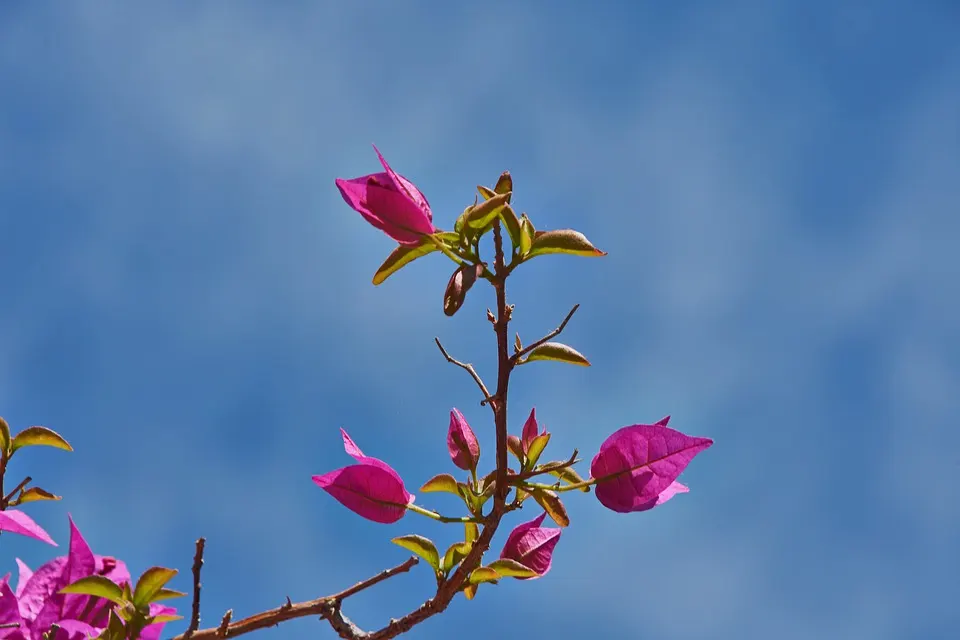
[(468, 368), (326, 607), (195, 612), (547, 338)]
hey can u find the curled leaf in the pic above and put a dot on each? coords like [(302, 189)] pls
[(442, 482), (504, 183), (421, 546), (527, 233), (458, 286), (552, 504), (4, 435), (405, 254), (39, 436), (484, 213), (455, 553), (563, 241), (510, 568), (33, 494), (558, 352), (483, 574), (150, 583)]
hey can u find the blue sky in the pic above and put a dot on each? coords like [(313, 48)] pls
[(188, 300)]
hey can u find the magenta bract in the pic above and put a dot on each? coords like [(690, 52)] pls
[(18, 522), (532, 545), (462, 442), (370, 488), (637, 467), (37, 604), (390, 203), (530, 430)]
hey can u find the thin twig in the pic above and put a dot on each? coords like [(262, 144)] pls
[(325, 607), (197, 565), (9, 496), (468, 368), (547, 468), (547, 338)]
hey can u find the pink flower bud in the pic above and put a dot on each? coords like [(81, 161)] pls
[(462, 443), (530, 430), (532, 545), (390, 203), (371, 488), (637, 467)]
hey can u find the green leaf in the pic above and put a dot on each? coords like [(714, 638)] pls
[(504, 183), (455, 553), (483, 574), (552, 504), (567, 474), (512, 224), (150, 583), (509, 568), (527, 233), (484, 213), (470, 591), (558, 352), (563, 241), (39, 436), (443, 482), (165, 617), (537, 445), (4, 436), (421, 546), (96, 586), (486, 192), (405, 254), (166, 594), (471, 531), (33, 494)]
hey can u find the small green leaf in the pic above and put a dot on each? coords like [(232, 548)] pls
[(552, 504), (471, 531), (39, 436), (483, 574), (455, 553), (405, 254), (421, 546), (509, 568), (567, 474), (150, 583), (512, 224), (4, 436), (563, 241), (165, 617), (443, 482), (486, 192), (537, 445), (527, 233), (98, 586), (166, 594), (484, 213), (33, 494), (470, 591), (558, 352), (504, 183)]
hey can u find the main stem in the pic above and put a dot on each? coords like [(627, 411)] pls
[(498, 404)]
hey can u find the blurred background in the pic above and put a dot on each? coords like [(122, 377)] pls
[(187, 299)]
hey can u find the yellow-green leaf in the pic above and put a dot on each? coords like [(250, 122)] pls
[(150, 583), (486, 192), (483, 214), (39, 436), (35, 493), (510, 568), (567, 474), (96, 586), (443, 482), (527, 233), (4, 435), (537, 445), (166, 594), (166, 617), (421, 546), (471, 531), (558, 352), (552, 504), (563, 241), (470, 591), (512, 224), (483, 574), (405, 254), (455, 553)]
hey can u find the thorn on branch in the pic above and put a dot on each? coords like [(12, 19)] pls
[(225, 624)]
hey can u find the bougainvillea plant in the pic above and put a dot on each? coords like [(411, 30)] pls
[(636, 468)]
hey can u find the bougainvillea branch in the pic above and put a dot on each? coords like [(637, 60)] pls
[(636, 468)]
